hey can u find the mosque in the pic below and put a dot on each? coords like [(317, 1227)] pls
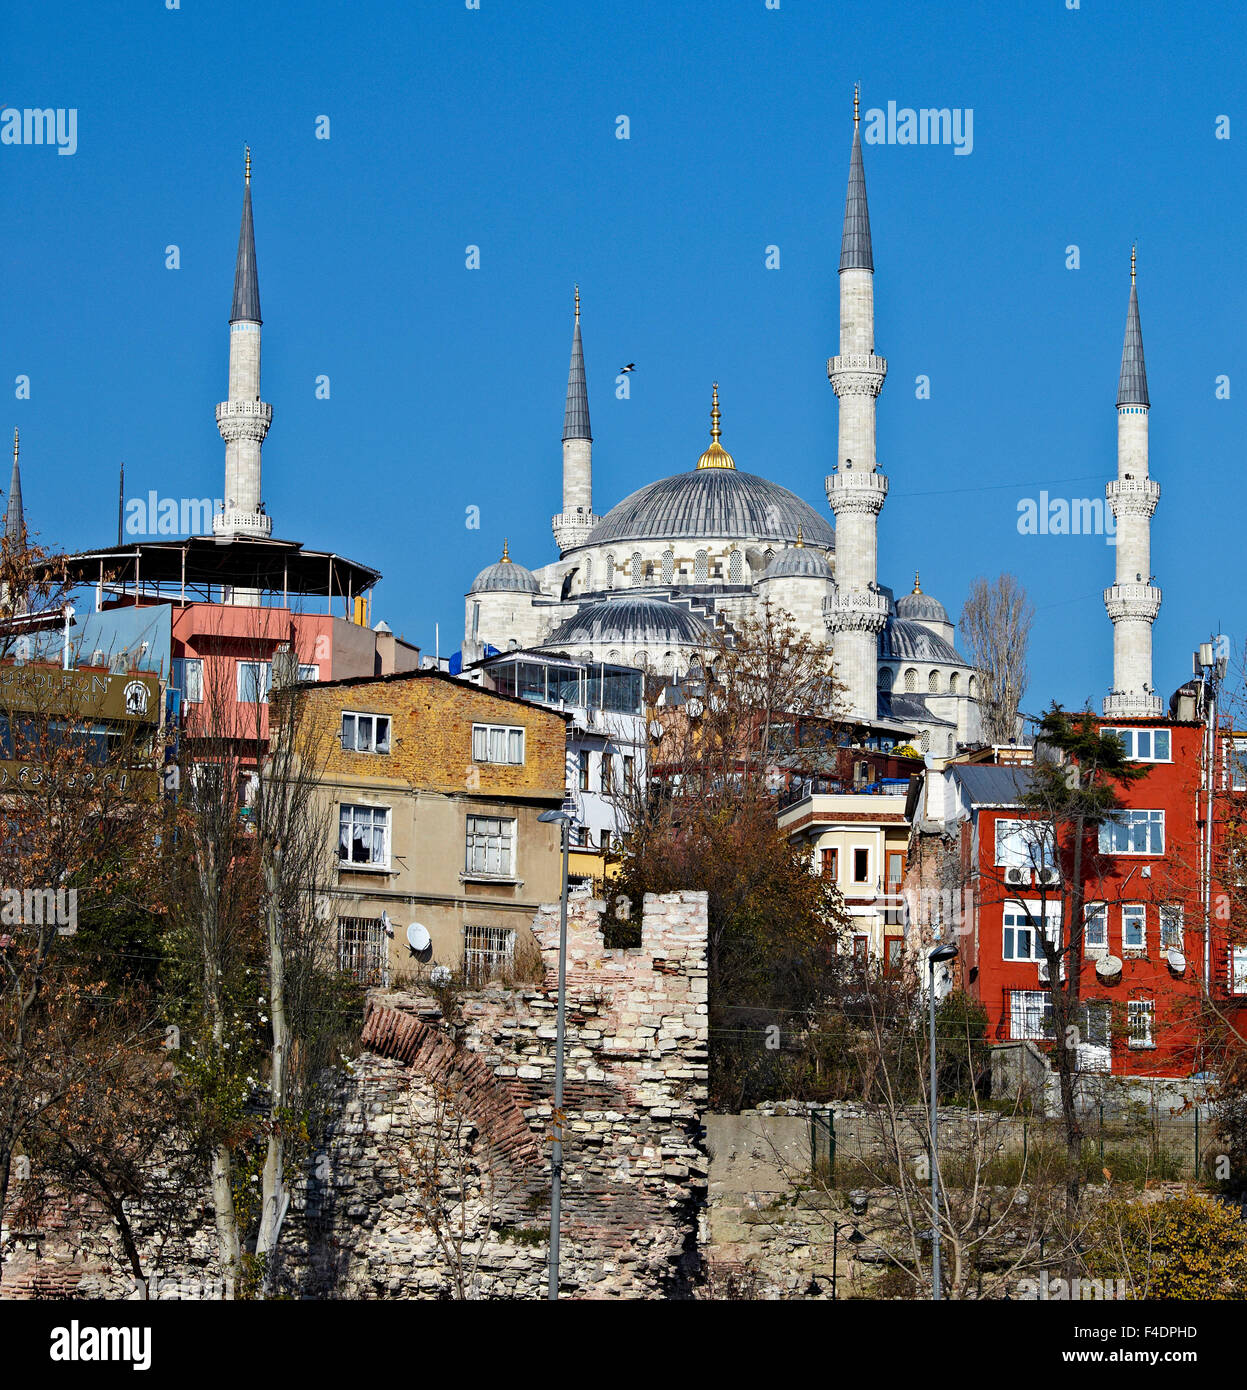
[(648, 582)]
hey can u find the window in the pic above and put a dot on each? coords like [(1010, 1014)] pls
[(933, 683), (1238, 969), (701, 567), (735, 567), (668, 566), (1171, 926), (309, 672), (365, 733), (973, 687), (255, 680), (1141, 1017), (1097, 1022), (636, 567), (610, 569), (954, 683), (606, 841), (487, 951), (1134, 832), (1095, 926), (861, 866), (1026, 844), (1030, 1013), (861, 950), (361, 949), (583, 762), (896, 868), (192, 678), (588, 584), (490, 846), (893, 957), (1238, 764), (364, 836), (830, 863), (1133, 926), (911, 680), (497, 743), (1020, 935), (1143, 745), (629, 766), (885, 678)]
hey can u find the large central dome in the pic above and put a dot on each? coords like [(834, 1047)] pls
[(710, 503)]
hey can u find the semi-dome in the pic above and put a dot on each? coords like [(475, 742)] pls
[(798, 562), (903, 640), (648, 621), (921, 608), (507, 576)]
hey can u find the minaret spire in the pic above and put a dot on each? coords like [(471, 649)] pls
[(1133, 601), (14, 517), (573, 524), (244, 419), (856, 613)]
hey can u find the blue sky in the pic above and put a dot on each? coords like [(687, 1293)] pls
[(497, 128)]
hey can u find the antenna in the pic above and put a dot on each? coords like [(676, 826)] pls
[(121, 500)]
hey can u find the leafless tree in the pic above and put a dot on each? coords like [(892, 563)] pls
[(996, 624)]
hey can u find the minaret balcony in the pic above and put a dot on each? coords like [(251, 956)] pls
[(236, 522), (1138, 601), (572, 528), (857, 374), (1124, 704), (852, 489), (855, 610), (243, 420), (1132, 496)]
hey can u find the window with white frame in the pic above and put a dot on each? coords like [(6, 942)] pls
[(364, 836), (255, 681), (1134, 926), (361, 949), (193, 679), (1238, 969), (1171, 926), (490, 846), (365, 733), (1141, 1018), (1026, 844), (487, 951), (497, 743), (1095, 926), (1020, 934), (309, 671), (1097, 1015), (1238, 765), (1030, 1014), (1134, 832), (1143, 745)]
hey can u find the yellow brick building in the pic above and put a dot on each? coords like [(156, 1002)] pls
[(433, 788)]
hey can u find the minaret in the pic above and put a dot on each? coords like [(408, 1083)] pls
[(14, 518), (856, 612), (1132, 602), (576, 520), (243, 420)]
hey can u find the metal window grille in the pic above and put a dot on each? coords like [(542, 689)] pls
[(487, 951), (361, 949)]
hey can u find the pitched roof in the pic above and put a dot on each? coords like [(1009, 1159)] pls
[(991, 785)]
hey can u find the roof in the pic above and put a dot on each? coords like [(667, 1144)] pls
[(507, 577), (14, 522), (576, 414), (722, 503), (919, 607), (431, 675), (855, 251), (1132, 384), (798, 562), (910, 708), (986, 785), (903, 640), (242, 562), (644, 620), (246, 281)]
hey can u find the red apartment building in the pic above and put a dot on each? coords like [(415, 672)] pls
[(975, 871)]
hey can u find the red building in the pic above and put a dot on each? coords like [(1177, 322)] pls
[(983, 870)]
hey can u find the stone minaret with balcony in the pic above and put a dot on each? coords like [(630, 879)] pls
[(574, 523)]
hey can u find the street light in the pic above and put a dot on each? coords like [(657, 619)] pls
[(937, 956), (564, 819)]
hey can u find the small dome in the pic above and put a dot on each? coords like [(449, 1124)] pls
[(505, 576), (917, 607), (903, 640), (647, 621), (798, 562)]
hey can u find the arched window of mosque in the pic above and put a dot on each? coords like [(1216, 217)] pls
[(933, 683), (926, 740), (588, 572), (668, 664), (911, 680), (636, 566), (610, 569), (974, 687), (668, 566), (767, 556), (885, 678), (954, 683), (701, 567), (612, 655), (642, 660), (735, 568)]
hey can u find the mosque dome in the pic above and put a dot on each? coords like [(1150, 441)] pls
[(921, 608), (798, 562), (903, 640), (505, 576), (645, 621)]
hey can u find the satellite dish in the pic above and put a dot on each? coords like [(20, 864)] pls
[(655, 730), (1177, 961), (695, 707), (1108, 967), (386, 925), (420, 941)]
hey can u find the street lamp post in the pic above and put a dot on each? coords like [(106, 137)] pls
[(556, 1160), (935, 957)]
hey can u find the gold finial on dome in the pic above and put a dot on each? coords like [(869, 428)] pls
[(1133, 249), (716, 456), (247, 164), (800, 543), (506, 555), (917, 586), (857, 87)]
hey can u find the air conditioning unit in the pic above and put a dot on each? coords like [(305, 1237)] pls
[(1017, 877), (1049, 876)]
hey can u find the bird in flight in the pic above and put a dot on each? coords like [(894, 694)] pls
[(631, 367)]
